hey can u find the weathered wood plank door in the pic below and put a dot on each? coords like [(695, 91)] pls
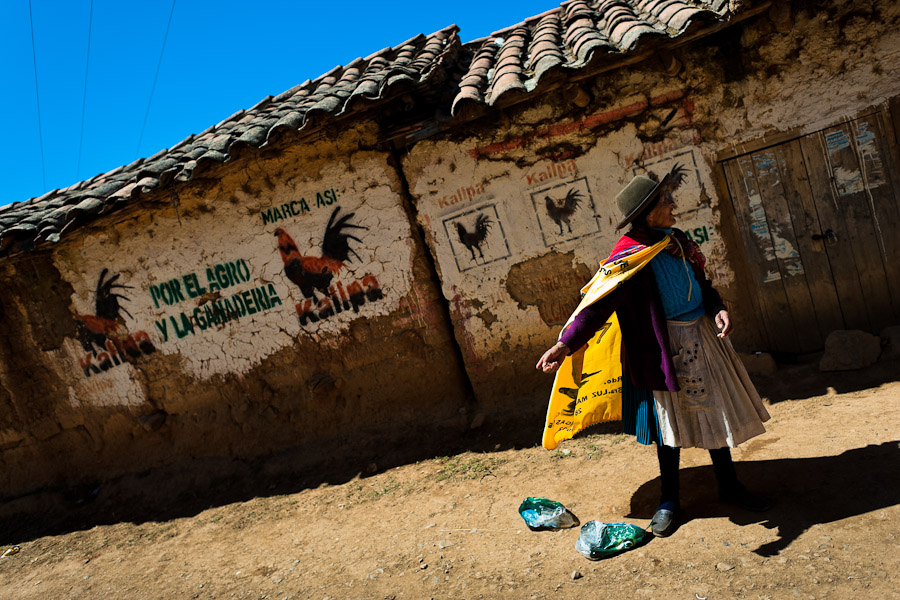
[(820, 222)]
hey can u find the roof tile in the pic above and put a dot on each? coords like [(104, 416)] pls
[(578, 33)]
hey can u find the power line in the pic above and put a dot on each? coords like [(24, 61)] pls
[(87, 62), (153, 88), (37, 96)]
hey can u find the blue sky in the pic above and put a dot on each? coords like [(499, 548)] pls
[(220, 56)]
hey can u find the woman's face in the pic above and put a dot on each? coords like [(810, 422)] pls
[(660, 216)]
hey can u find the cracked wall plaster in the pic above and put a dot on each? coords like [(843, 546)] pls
[(835, 61)]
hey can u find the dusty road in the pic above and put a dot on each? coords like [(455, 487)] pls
[(448, 527)]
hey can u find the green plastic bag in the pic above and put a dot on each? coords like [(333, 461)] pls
[(600, 540), (541, 513)]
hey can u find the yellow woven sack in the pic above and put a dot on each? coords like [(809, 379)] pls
[(588, 385)]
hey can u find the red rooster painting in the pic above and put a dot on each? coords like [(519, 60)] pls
[(96, 329), (312, 273), (562, 211), (473, 240)]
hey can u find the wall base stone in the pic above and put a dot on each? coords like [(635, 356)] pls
[(846, 350)]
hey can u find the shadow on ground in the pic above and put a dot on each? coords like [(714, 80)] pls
[(806, 491), (197, 484), (799, 377)]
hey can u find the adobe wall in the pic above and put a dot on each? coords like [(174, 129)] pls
[(491, 196), (175, 330)]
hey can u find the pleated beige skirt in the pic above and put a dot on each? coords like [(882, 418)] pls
[(718, 405)]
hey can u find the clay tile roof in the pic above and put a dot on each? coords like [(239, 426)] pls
[(341, 91), (577, 35)]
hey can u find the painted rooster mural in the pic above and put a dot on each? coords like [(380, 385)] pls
[(562, 211), (94, 330), (312, 273), (473, 240), (678, 175)]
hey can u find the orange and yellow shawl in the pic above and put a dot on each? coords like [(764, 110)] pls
[(588, 385)]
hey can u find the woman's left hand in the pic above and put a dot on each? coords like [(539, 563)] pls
[(552, 358), (723, 322)]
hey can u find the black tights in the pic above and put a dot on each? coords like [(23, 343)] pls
[(668, 470)]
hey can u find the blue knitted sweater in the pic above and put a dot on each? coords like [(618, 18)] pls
[(679, 291)]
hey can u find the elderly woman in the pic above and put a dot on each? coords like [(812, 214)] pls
[(683, 384)]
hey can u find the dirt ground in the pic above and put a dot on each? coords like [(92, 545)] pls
[(448, 527)]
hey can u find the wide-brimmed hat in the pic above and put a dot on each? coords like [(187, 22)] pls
[(637, 196)]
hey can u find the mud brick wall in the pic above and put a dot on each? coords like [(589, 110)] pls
[(213, 323)]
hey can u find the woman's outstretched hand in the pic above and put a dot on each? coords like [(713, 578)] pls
[(723, 322), (552, 358)]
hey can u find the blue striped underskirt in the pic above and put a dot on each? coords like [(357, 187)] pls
[(639, 414)]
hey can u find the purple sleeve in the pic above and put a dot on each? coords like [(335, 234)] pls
[(591, 318)]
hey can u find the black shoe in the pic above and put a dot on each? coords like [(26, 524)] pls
[(663, 523), (741, 497)]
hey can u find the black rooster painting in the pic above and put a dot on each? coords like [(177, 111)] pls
[(561, 211), (94, 330), (677, 176), (312, 273), (473, 240)]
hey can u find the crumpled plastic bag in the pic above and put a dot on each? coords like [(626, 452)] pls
[(600, 540), (541, 513)]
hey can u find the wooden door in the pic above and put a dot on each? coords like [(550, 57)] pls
[(820, 221)]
